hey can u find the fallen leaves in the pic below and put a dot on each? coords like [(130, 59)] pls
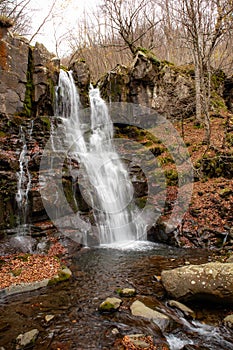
[(16, 269)]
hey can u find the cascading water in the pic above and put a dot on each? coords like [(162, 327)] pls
[(107, 186), (24, 181)]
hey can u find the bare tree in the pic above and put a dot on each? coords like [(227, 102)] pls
[(131, 19), (205, 24)]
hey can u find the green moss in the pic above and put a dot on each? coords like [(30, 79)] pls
[(226, 192), (67, 187), (229, 139), (154, 60), (141, 202), (217, 102), (171, 177), (165, 160), (46, 122), (16, 272), (217, 79), (24, 257), (198, 125), (107, 306), (2, 134), (62, 275), (187, 69), (64, 68)]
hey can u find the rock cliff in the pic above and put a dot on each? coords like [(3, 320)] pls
[(29, 75)]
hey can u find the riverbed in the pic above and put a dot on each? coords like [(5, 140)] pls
[(98, 273)]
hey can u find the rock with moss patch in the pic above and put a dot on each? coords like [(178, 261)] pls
[(110, 305), (62, 275), (126, 292)]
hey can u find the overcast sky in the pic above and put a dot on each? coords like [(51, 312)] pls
[(66, 17)]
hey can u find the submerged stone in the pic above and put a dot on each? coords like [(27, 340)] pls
[(110, 304), (26, 339)]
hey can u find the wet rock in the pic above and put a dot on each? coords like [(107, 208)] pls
[(213, 281), (140, 309), (186, 310), (228, 321), (26, 339), (110, 304), (24, 287), (24, 244), (126, 292), (49, 318), (81, 76), (62, 275)]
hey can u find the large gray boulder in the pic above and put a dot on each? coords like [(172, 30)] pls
[(213, 281)]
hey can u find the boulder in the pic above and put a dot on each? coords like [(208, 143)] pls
[(140, 309), (212, 281)]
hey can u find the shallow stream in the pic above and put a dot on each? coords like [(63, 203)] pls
[(97, 274)]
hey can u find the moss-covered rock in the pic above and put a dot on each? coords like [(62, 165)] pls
[(62, 275), (110, 305)]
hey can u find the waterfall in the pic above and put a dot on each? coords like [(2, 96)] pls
[(23, 180), (107, 186)]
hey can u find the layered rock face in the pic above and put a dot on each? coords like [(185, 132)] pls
[(168, 89), (27, 93)]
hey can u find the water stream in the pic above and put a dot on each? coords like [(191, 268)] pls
[(24, 180), (97, 274)]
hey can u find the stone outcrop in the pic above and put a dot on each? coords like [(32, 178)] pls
[(28, 76), (82, 79), (211, 281), (168, 89)]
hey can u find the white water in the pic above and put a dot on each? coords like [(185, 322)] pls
[(211, 336), (23, 181), (106, 184)]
